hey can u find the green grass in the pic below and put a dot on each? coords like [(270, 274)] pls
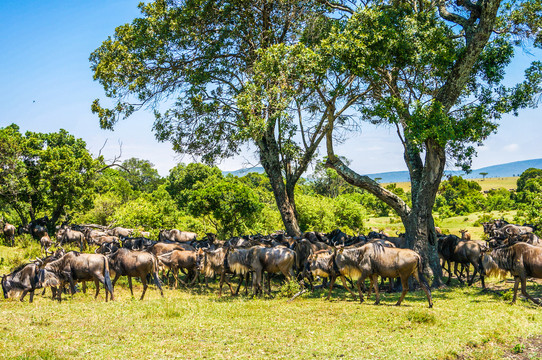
[(196, 324), (451, 225), (486, 184)]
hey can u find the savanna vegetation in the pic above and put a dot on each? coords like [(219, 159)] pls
[(292, 79)]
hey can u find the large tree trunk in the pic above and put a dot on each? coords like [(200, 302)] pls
[(270, 160)]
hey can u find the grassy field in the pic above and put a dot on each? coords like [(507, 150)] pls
[(452, 225), (485, 184), (196, 324)]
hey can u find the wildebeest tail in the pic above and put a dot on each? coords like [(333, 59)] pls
[(107, 278), (155, 273)]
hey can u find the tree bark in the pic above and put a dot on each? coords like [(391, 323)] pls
[(270, 160)]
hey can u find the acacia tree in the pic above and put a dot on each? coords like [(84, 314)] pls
[(435, 70), (201, 55)]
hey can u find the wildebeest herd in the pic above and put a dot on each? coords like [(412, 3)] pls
[(509, 248)]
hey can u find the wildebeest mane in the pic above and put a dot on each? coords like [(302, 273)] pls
[(18, 268)]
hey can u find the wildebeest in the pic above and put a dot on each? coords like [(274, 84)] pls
[(274, 260), (160, 248), (139, 243), (9, 232), (373, 260), (215, 262), (120, 232), (322, 263), (528, 238), (464, 252), (74, 267), (521, 260), (45, 244), (304, 248), (23, 278), (465, 234), (135, 264), (67, 235), (180, 259), (176, 235)]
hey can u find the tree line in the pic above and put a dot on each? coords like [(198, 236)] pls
[(54, 175)]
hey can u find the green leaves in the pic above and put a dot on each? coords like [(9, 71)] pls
[(48, 174), (229, 204)]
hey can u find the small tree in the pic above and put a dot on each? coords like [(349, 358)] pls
[(484, 174), (228, 204)]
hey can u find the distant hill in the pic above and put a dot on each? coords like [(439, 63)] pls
[(503, 170), (243, 172)]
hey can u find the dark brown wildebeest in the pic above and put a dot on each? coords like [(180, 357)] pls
[(374, 259), (92, 235), (74, 267), (469, 253), (45, 244), (139, 243), (304, 248), (528, 238), (120, 232), (181, 259), (9, 232), (322, 263), (67, 235), (273, 260), (23, 278), (135, 264), (521, 260), (214, 262), (176, 235)]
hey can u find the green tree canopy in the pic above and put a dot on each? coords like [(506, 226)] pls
[(229, 204), (47, 174), (141, 174), (182, 179), (204, 57)]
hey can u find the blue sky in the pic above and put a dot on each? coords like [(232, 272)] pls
[(46, 84)]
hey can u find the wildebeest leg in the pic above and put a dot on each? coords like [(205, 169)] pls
[(117, 275), (524, 290), (269, 284), (516, 285), (84, 287), (97, 284), (449, 272), (241, 278), (144, 282), (333, 278), (343, 279), (473, 274), (195, 277), (457, 274), (404, 283), (130, 285), (360, 281), (23, 295), (374, 282)]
